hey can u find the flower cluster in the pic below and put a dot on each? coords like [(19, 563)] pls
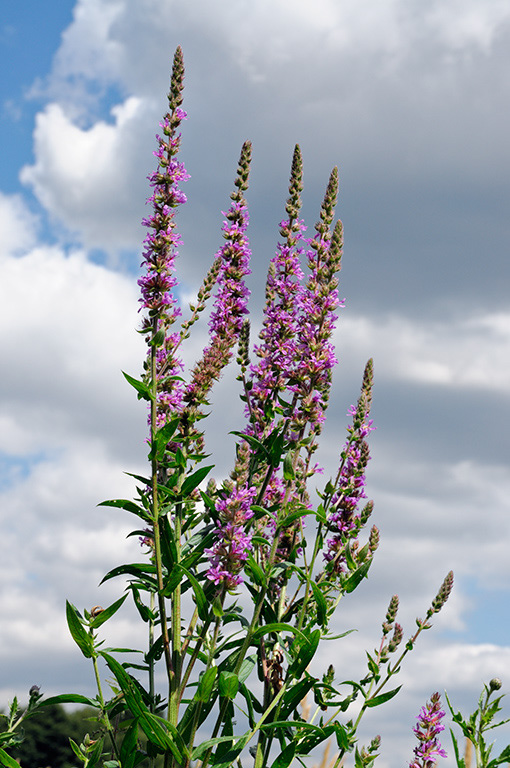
[(278, 351), (233, 543), (343, 521), (426, 730), (315, 356), (160, 251), (230, 302)]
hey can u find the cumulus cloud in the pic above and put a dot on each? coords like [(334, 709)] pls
[(471, 352), (401, 95), (18, 225), (85, 177)]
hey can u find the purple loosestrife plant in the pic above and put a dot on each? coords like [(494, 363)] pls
[(427, 731), (475, 727), (236, 591)]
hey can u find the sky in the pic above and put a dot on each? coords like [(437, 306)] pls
[(411, 102)]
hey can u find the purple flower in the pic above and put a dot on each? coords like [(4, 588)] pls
[(344, 521), (158, 282), (426, 730), (230, 302), (278, 351), (233, 544)]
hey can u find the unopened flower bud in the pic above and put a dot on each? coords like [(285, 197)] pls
[(495, 684), (443, 594), (373, 539), (395, 641), (391, 615)]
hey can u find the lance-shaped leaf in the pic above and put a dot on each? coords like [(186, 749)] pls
[(305, 651), (194, 480), (78, 632), (228, 684), (285, 757), (294, 695), (161, 439), (144, 392), (320, 602), (206, 684), (155, 728), (382, 698), (68, 698), (129, 506), (7, 761), (107, 613), (278, 626), (350, 584)]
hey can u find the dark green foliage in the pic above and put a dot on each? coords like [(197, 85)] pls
[(47, 735)]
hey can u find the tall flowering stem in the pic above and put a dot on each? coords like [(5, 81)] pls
[(427, 731), (344, 521), (231, 584), (162, 310), (315, 356), (284, 294), (230, 302)]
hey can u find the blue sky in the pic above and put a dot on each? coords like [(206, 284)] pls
[(411, 103), (29, 36)]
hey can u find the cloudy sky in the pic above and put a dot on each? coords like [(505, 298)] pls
[(410, 100)]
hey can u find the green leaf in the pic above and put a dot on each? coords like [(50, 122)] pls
[(254, 570), (285, 758), (144, 610), (144, 392), (140, 570), (228, 684), (168, 545), (161, 439), (288, 474), (342, 737), (287, 521), (382, 698), (107, 613), (129, 744), (78, 632), (278, 626), (246, 667), (77, 751), (202, 604), (206, 684), (228, 759), (154, 727), (354, 579), (8, 762), (294, 695), (129, 506), (68, 698), (504, 757), (253, 442), (320, 602), (203, 747), (194, 480), (275, 443), (305, 651)]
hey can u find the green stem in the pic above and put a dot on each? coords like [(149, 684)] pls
[(104, 715), (173, 704), (155, 517)]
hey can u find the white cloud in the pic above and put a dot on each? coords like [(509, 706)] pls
[(85, 177), (69, 329), (18, 226), (68, 422), (467, 353)]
